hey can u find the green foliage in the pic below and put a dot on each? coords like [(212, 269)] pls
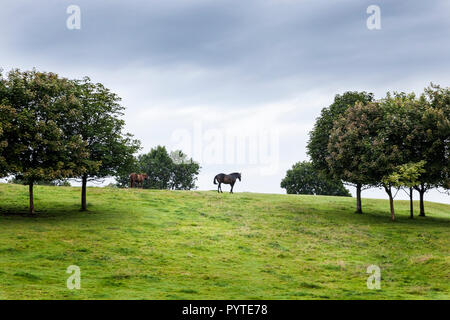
[(319, 137), (430, 139), (158, 165), (40, 110), (184, 171), (319, 141), (123, 176), (366, 145), (303, 178), (3, 144), (6, 114), (52, 128), (353, 139), (405, 175), (399, 141), (100, 125), (422, 134), (165, 171)]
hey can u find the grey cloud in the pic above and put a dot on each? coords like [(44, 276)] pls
[(229, 55)]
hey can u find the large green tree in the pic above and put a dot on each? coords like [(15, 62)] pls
[(6, 115), (364, 146), (158, 165), (319, 139), (165, 170), (3, 144), (101, 127), (40, 144), (400, 141), (429, 139), (184, 171), (303, 178)]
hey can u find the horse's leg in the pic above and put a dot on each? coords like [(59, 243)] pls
[(218, 188), (232, 185)]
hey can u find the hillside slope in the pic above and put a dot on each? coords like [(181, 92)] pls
[(145, 244)]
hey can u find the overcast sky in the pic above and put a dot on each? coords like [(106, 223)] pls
[(236, 84)]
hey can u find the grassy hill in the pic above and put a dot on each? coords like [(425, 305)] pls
[(143, 244)]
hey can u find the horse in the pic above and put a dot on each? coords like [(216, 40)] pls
[(227, 179), (138, 178)]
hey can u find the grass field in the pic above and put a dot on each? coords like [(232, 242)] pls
[(143, 244)]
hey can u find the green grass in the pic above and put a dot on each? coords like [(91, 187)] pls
[(143, 244)]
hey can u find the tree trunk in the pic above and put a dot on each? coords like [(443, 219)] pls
[(83, 193), (30, 188), (391, 201), (411, 206), (422, 206), (358, 198)]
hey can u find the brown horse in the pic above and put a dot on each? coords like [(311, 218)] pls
[(227, 179), (137, 179)]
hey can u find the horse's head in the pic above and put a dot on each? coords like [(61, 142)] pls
[(239, 176), (145, 176)]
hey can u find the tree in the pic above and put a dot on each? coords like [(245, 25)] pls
[(6, 116), (184, 172), (123, 176), (424, 135), (3, 144), (40, 145), (158, 165), (165, 171), (429, 139), (99, 124), (406, 175), (394, 142), (390, 139), (303, 178), (364, 147), (320, 135)]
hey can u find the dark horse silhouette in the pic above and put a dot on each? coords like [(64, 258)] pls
[(227, 179), (137, 179)]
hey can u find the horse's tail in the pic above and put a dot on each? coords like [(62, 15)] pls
[(214, 181)]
